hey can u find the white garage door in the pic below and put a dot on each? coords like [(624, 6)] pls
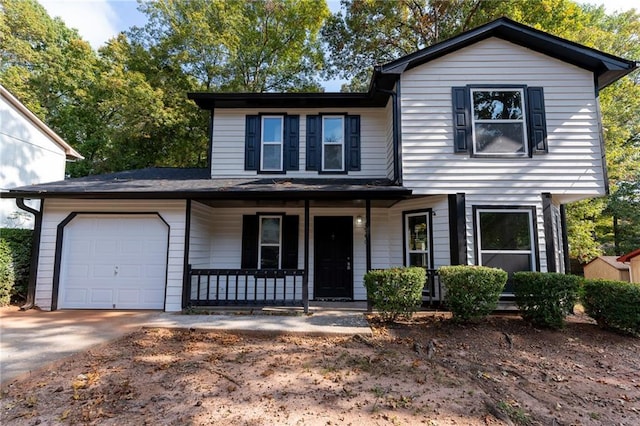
[(113, 262)]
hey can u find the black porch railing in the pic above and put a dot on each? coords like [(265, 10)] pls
[(247, 287), (432, 293)]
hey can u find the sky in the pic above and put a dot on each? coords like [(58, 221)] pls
[(99, 20)]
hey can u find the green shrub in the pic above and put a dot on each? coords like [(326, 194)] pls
[(395, 292), (7, 276), (613, 304), (545, 299), (472, 292), (19, 241)]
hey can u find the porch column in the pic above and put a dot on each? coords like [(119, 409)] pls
[(367, 242), (549, 242), (305, 278)]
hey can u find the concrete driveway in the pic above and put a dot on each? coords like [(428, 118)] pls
[(31, 339)]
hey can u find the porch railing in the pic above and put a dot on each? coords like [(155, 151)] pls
[(432, 294), (252, 287)]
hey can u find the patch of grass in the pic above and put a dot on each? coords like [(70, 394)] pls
[(515, 413)]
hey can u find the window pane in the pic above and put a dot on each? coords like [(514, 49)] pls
[(270, 233), (417, 232), (497, 105), (510, 263), (269, 257), (332, 131), (271, 156), (272, 129), (500, 138), (418, 259), (505, 231), (333, 157)]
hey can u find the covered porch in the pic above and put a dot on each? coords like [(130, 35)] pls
[(328, 236)]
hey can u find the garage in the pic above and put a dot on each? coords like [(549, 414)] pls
[(113, 262)]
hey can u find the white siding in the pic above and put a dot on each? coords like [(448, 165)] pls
[(55, 211), (27, 156), (389, 137), (572, 169), (229, 142), (201, 236)]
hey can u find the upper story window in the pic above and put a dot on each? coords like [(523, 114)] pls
[(272, 141), (499, 121), (333, 143), (499, 127)]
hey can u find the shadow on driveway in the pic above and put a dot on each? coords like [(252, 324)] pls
[(29, 340)]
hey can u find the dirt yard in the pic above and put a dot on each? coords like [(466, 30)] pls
[(431, 371)]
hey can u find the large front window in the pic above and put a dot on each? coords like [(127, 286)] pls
[(272, 143), (332, 143), (270, 242), (499, 125), (505, 239), (417, 250)]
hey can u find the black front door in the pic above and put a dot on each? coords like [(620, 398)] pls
[(333, 257)]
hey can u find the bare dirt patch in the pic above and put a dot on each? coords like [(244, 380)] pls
[(429, 371)]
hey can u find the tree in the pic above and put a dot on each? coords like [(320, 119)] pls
[(235, 45)]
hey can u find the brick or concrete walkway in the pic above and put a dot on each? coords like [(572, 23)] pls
[(31, 339)]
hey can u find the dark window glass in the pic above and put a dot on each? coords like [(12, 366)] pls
[(505, 231)]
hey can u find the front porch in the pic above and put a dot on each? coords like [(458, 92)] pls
[(259, 288)]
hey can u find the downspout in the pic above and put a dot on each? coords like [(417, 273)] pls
[(395, 95), (35, 251)]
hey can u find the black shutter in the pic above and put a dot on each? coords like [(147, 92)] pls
[(537, 121), (352, 131), (291, 142), (462, 137), (314, 135), (290, 242), (252, 142), (249, 242)]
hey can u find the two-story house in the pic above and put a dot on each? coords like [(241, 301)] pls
[(462, 153)]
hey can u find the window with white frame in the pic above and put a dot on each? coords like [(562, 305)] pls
[(332, 143), (505, 239), (270, 242), (271, 143), (417, 239), (499, 124)]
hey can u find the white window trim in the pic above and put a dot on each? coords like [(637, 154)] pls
[(263, 143), (324, 143), (532, 247), (525, 138), (407, 232), (261, 244)]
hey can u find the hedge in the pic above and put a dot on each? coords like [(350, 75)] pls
[(472, 292), (546, 298), (7, 276), (613, 304), (395, 292), (19, 242)]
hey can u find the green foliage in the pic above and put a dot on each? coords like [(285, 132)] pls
[(545, 299), (7, 277), (19, 242), (613, 304), (472, 292), (395, 292)]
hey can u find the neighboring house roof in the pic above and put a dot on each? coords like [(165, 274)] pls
[(627, 257), (612, 261), (607, 69), (70, 153), (179, 183)]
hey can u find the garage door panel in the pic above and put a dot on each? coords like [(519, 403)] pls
[(114, 262)]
